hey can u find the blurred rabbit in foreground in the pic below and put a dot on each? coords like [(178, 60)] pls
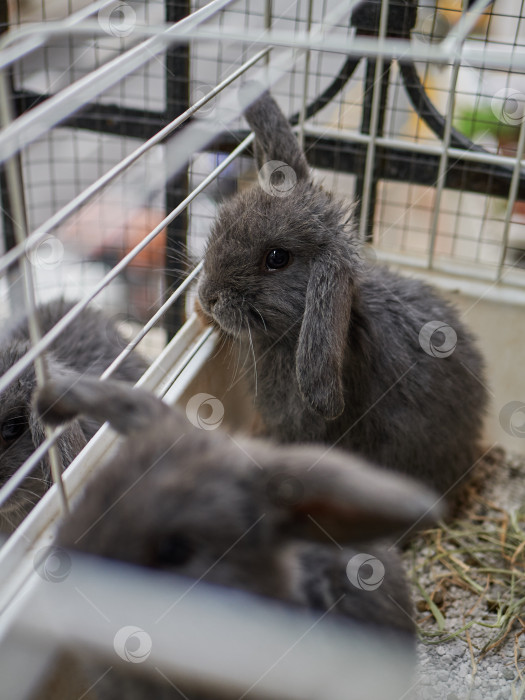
[(262, 518)]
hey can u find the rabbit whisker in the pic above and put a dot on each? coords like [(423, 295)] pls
[(41, 479), (20, 509), (5, 517), (24, 501), (253, 353), (5, 509), (220, 345), (24, 490), (237, 360), (230, 355), (12, 525), (261, 316), (246, 354), (182, 256), (250, 337), (239, 352)]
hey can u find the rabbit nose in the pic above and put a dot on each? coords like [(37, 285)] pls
[(207, 297)]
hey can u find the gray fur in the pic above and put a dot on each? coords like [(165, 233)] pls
[(88, 346), (241, 515), (335, 340), (171, 489)]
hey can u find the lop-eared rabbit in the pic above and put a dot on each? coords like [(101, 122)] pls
[(199, 492), (344, 352), (282, 522), (87, 346)]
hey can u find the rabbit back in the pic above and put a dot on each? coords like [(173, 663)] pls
[(89, 343), (421, 413), (86, 347)]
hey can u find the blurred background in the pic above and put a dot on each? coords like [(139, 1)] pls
[(61, 164)]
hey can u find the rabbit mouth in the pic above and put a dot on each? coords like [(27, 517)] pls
[(229, 321), (241, 321), (236, 318), (230, 317)]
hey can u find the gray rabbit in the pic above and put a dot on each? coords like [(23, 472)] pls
[(88, 346), (249, 515), (344, 352), (200, 493)]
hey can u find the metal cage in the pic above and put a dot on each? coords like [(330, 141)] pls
[(122, 131)]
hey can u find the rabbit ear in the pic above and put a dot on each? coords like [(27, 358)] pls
[(127, 409), (275, 140), (323, 337), (321, 493)]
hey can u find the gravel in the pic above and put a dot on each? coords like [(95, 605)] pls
[(460, 667)]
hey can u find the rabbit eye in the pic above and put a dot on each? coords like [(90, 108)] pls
[(12, 428), (173, 550), (277, 258)]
